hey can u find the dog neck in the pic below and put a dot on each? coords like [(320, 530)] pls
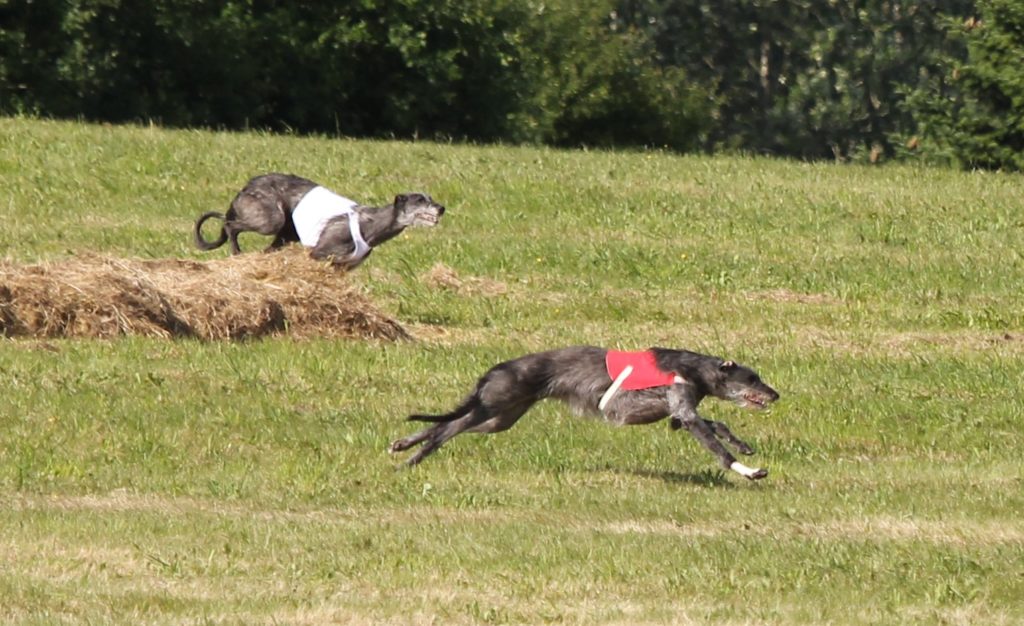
[(378, 224)]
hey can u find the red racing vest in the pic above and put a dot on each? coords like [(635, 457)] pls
[(634, 370)]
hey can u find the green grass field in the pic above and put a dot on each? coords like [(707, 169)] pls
[(169, 482)]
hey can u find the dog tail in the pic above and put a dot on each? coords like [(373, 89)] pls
[(463, 409), (203, 244)]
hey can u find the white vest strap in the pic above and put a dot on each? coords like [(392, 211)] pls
[(608, 395), (617, 384), (362, 248)]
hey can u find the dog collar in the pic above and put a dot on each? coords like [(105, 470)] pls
[(634, 370)]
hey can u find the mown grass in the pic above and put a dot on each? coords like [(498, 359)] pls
[(149, 481)]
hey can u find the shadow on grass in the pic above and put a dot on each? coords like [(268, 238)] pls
[(703, 478)]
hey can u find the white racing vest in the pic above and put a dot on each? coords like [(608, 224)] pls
[(319, 206)]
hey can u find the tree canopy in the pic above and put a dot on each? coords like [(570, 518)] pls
[(871, 79)]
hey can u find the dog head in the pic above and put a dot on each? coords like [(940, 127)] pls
[(417, 209), (742, 385), (711, 376)]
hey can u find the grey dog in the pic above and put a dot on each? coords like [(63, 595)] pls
[(580, 376), (266, 203)]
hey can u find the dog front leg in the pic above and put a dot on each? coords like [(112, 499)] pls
[(685, 413), (722, 432)]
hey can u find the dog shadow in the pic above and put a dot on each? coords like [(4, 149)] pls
[(704, 478)]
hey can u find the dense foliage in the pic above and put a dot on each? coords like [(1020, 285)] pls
[(975, 113), (807, 78), (813, 78)]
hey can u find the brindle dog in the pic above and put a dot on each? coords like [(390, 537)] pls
[(266, 203), (578, 376)]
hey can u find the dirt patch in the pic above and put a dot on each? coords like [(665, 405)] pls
[(785, 295), (868, 529), (443, 277), (962, 340), (906, 344), (245, 296)]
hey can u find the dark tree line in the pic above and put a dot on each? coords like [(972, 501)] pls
[(867, 79), (814, 78)]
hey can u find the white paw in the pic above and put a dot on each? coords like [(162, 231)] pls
[(753, 473)]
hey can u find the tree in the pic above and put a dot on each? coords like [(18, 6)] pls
[(597, 84), (806, 78), (975, 113), (30, 43)]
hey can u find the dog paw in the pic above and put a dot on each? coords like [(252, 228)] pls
[(758, 474), (753, 473)]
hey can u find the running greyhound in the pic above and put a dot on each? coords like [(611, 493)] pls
[(292, 208), (625, 387)]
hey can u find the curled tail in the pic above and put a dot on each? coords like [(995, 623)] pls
[(471, 403), (203, 244)]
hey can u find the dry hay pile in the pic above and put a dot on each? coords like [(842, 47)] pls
[(250, 295)]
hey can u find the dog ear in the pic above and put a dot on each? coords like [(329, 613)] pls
[(727, 365), (401, 199)]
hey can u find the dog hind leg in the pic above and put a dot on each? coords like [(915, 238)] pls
[(276, 243), (462, 410), (232, 232), (400, 445), (497, 422), (436, 436), (257, 210), (470, 403), (286, 232), (480, 420), (501, 397)]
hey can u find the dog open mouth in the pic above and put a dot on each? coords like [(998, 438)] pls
[(428, 219), (756, 401)]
